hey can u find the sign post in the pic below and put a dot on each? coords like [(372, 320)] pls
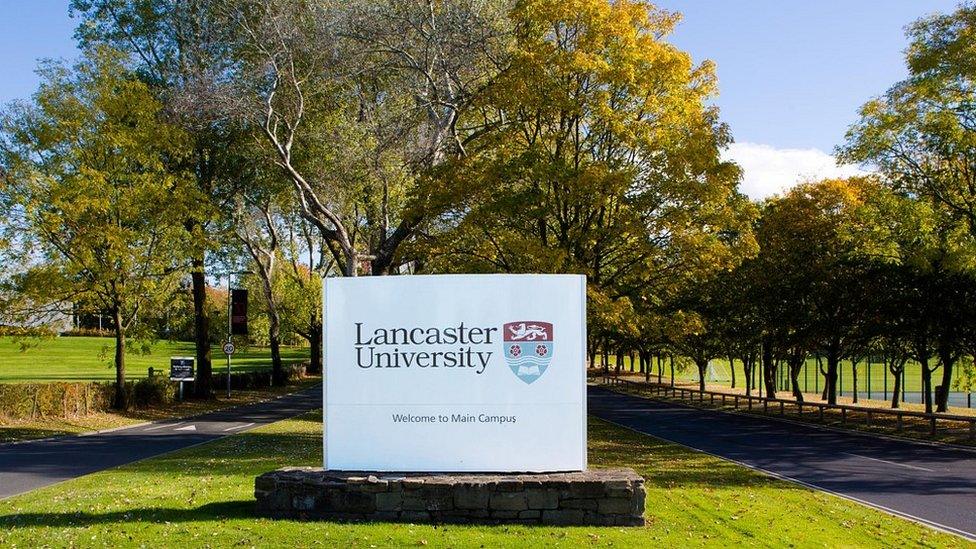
[(181, 369), (455, 373)]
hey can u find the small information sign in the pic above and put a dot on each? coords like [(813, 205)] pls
[(181, 368)]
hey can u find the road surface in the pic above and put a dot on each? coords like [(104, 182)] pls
[(30, 465), (931, 484)]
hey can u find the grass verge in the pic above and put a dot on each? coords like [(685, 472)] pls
[(91, 358), (203, 496), (13, 430)]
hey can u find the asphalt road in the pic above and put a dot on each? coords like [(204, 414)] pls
[(931, 484), (27, 466)]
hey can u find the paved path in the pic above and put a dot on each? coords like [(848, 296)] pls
[(29, 465), (927, 483)]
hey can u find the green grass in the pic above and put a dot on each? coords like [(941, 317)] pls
[(203, 496), (810, 381), (91, 358)]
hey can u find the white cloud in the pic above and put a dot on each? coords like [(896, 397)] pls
[(768, 170)]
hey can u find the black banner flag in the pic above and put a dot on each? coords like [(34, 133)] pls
[(238, 312)]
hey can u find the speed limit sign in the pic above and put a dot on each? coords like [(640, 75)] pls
[(229, 348)]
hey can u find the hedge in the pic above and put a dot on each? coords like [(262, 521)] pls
[(41, 400), (64, 400)]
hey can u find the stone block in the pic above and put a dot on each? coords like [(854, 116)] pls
[(388, 501), (471, 496), (585, 504), (615, 506), (413, 502), (587, 489), (303, 503), (563, 517), (508, 484), (505, 514), (508, 501), (542, 499)]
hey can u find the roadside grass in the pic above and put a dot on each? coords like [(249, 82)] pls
[(12, 430), (203, 496), (91, 358)]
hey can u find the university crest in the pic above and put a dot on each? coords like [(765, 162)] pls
[(528, 348)]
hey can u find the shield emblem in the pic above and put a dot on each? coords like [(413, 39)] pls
[(528, 348)]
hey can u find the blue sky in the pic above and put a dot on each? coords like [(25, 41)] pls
[(792, 73)]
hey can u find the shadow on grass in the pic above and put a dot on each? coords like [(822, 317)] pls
[(217, 511)]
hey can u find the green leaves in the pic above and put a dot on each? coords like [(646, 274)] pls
[(604, 161), (91, 180)]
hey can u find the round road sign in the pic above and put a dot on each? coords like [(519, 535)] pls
[(229, 348)]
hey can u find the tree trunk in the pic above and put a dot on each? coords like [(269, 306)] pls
[(702, 364), (646, 361), (732, 369), (203, 386), (854, 377), (315, 343), (747, 366), (620, 361), (926, 385), (660, 368), (606, 357), (274, 338), (833, 360), (769, 371), (630, 355), (796, 366), (672, 370), (274, 325), (121, 401), (942, 396), (895, 396)]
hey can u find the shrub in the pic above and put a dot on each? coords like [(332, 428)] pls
[(20, 331), (87, 332), (152, 391)]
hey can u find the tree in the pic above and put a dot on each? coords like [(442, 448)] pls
[(90, 195), (180, 50), (922, 133), (818, 245), (603, 159), (256, 227), (360, 104), (308, 264)]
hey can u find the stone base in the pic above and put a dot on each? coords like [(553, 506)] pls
[(605, 497)]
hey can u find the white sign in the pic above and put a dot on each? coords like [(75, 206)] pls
[(455, 373)]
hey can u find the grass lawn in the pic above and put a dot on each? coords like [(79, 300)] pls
[(91, 358), (12, 430), (874, 376), (203, 496)]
